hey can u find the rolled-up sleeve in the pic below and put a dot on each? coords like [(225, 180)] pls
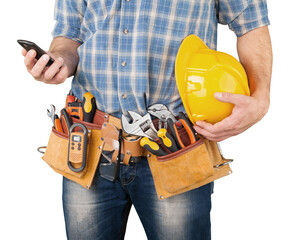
[(242, 16), (68, 15)]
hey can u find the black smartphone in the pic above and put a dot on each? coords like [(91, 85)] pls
[(27, 45)]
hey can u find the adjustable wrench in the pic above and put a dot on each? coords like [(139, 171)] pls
[(143, 126)]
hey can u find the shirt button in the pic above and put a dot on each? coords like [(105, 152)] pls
[(124, 63), (125, 31), (124, 96)]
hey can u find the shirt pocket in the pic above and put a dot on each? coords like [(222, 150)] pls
[(176, 17), (100, 12)]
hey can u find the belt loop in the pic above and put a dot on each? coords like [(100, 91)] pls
[(118, 160)]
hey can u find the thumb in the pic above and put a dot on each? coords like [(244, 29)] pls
[(226, 97)]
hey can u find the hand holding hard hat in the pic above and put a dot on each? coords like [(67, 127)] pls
[(200, 73), (214, 89)]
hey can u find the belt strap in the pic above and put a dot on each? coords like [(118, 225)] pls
[(101, 117), (130, 147)]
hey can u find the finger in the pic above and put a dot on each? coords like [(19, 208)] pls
[(236, 99), (204, 132), (212, 128), (38, 68), (210, 136), (24, 52), (60, 76), (29, 60), (53, 69)]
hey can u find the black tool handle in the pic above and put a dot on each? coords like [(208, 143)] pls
[(181, 115), (67, 121), (89, 107), (167, 140), (152, 147), (173, 132)]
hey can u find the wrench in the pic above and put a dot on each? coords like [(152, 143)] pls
[(141, 126), (51, 113), (161, 111)]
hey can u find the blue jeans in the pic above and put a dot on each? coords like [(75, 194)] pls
[(102, 212)]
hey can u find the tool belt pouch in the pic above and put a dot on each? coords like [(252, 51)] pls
[(188, 168), (56, 154)]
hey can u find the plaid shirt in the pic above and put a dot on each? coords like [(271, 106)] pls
[(129, 47)]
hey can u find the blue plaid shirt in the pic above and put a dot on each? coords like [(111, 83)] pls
[(128, 47)]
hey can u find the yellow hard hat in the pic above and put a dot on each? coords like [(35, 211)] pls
[(200, 72)]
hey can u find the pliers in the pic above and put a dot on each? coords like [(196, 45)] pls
[(169, 121)]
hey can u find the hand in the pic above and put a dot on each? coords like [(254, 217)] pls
[(55, 74), (247, 111)]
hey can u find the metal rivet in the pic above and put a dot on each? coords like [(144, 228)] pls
[(102, 138), (128, 152), (100, 147), (161, 197), (106, 116), (88, 186), (124, 63), (126, 31), (148, 155)]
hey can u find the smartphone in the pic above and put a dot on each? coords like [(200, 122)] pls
[(27, 45)]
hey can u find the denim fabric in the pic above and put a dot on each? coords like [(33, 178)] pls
[(102, 212)]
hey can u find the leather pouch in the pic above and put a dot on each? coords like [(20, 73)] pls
[(188, 168), (56, 154)]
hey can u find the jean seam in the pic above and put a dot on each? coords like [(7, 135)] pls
[(131, 179)]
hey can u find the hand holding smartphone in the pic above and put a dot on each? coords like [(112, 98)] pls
[(27, 45)]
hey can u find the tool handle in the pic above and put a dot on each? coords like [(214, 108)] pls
[(167, 140), (57, 124), (188, 131), (188, 127), (174, 133), (69, 98), (75, 109), (89, 107), (67, 121), (152, 147)]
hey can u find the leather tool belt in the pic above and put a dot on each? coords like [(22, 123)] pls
[(189, 168), (56, 151)]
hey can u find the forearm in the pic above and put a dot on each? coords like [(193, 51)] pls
[(255, 53), (67, 49)]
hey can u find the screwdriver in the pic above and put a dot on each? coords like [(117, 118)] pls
[(152, 147), (89, 107), (167, 140)]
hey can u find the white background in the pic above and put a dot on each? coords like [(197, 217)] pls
[(252, 203)]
